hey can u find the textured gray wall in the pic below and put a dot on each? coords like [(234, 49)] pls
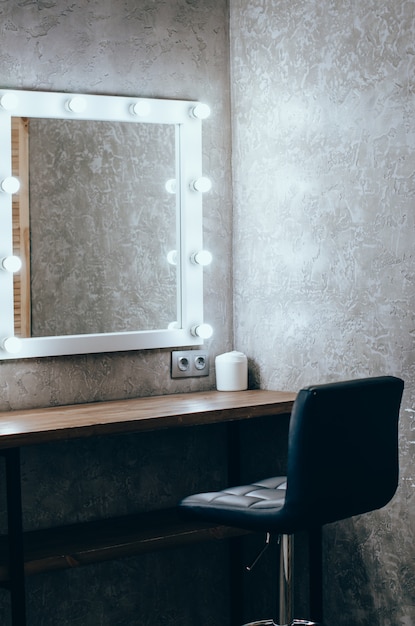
[(324, 161), (323, 111), (150, 49)]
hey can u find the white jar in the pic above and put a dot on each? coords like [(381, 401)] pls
[(231, 371)]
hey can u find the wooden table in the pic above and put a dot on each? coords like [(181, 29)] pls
[(22, 554)]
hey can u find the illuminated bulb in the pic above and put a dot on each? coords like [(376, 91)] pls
[(12, 345), (204, 331), (171, 185), (202, 184), (203, 257), (77, 104), (9, 101), (10, 185), (201, 111), (172, 257), (11, 264), (140, 108)]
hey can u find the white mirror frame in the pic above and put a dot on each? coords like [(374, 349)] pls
[(31, 104)]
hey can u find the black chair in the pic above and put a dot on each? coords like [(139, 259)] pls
[(342, 461)]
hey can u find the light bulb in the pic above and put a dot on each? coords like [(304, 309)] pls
[(202, 184), (11, 264), (12, 345), (201, 111), (171, 185), (172, 257), (204, 331), (10, 184), (140, 108), (173, 326), (9, 101), (77, 104), (203, 257)]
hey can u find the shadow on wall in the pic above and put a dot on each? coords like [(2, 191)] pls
[(254, 374), (355, 555)]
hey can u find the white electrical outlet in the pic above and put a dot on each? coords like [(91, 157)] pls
[(188, 363)]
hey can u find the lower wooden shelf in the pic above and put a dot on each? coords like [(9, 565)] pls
[(91, 542)]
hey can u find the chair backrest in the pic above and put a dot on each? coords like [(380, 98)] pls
[(343, 449)]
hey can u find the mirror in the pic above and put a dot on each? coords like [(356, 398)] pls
[(109, 176), (109, 219)]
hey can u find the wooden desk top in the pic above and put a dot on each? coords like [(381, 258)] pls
[(33, 426)]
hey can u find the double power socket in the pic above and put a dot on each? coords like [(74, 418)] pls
[(188, 363)]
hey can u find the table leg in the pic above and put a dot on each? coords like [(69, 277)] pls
[(15, 537)]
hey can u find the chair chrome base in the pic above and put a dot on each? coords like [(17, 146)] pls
[(296, 622), (286, 595), (286, 604)]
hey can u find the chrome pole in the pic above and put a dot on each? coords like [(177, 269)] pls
[(286, 589), (286, 596)]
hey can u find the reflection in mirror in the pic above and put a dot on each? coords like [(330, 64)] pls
[(21, 232), (101, 226), (112, 188)]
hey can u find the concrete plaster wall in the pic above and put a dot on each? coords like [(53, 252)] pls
[(323, 110), (163, 49), (154, 49), (323, 167)]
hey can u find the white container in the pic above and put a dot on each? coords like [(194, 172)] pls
[(231, 371)]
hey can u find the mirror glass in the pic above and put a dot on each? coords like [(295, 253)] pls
[(101, 226), (107, 220)]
